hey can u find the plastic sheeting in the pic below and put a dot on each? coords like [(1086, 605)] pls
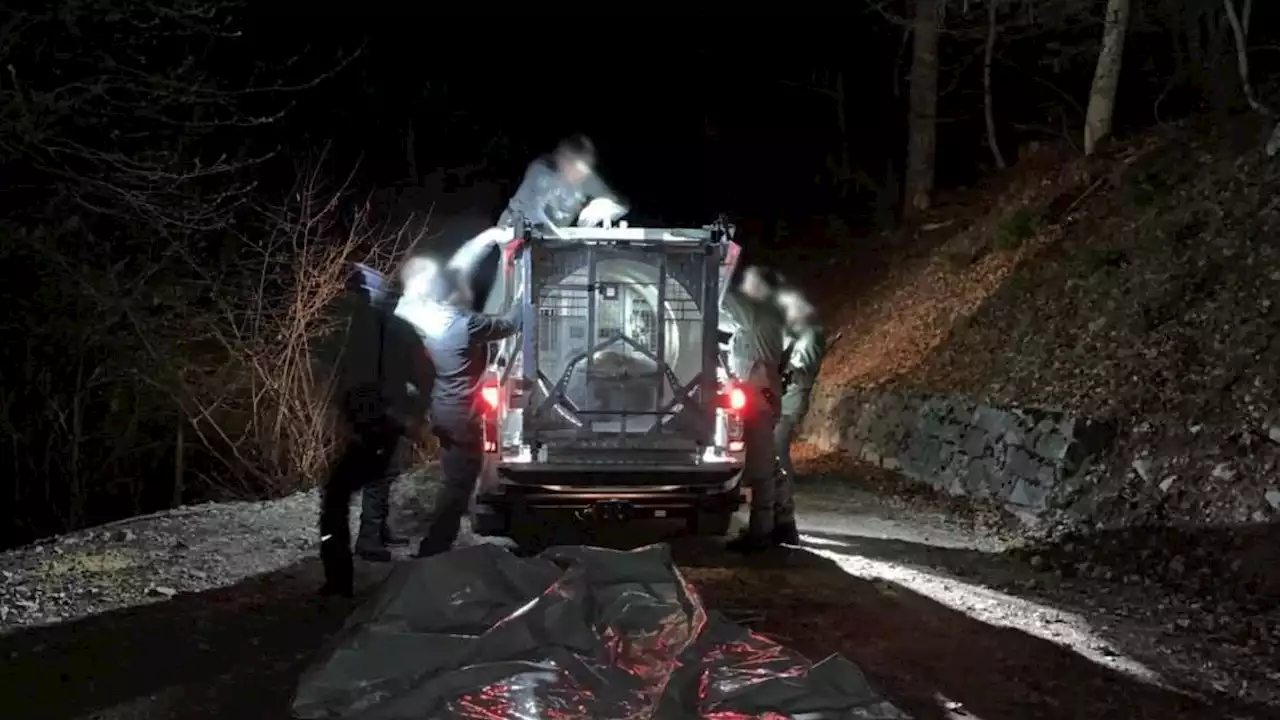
[(577, 633)]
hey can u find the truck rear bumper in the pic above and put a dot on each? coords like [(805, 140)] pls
[(621, 494)]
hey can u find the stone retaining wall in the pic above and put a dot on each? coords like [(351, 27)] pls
[(1032, 460)]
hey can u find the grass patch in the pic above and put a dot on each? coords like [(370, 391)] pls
[(1017, 227), (88, 563)]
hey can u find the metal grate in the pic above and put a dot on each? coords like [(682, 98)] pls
[(621, 329)]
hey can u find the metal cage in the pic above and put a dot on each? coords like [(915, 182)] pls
[(620, 345)]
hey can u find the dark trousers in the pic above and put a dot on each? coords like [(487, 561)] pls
[(364, 463), (461, 459), (784, 505)]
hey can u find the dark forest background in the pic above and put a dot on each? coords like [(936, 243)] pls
[(183, 182)]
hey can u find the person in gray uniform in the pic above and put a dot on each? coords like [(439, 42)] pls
[(806, 346), (756, 354), (458, 340)]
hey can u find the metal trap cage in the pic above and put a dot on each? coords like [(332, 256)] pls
[(624, 341)]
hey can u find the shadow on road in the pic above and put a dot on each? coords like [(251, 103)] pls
[(236, 652), (929, 658), (232, 652)]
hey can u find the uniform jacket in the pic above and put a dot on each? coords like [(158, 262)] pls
[(807, 346), (758, 338), (545, 198), (458, 340), (381, 374)]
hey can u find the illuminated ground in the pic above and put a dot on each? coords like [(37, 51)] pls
[(932, 610)]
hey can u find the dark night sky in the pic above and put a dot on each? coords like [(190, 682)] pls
[(647, 97), (647, 89)]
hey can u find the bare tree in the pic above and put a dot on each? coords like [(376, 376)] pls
[(131, 181), (923, 121), (1106, 78), (993, 141)]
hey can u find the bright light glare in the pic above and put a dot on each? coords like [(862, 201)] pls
[(1068, 630), (418, 274), (737, 399), (490, 395)]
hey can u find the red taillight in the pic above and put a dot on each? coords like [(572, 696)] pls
[(490, 395), (733, 397)]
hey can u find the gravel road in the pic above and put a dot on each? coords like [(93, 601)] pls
[(210, 612)]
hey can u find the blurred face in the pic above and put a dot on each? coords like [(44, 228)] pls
[(754, 285), (795, 309), (417, 276), (574, 168)]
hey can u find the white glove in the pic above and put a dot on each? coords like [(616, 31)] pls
[(600, 212)]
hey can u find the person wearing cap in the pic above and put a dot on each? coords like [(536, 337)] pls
[(382, 381)]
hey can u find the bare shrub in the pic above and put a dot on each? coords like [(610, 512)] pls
[(259, 401), (130, 189)]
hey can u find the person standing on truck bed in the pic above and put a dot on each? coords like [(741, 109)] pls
[(560, 189), (806, 346), (757, 361), (382, 380), (458, 339), (563, 189)]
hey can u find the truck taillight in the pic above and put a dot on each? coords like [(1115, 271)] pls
[(733, 400), (733, 397), (490, 394)]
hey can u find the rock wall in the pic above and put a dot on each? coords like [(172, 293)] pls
[(1031, 460)]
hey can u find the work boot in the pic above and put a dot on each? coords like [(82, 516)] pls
[(390, 539), (373, 553), (339, 573), (375, 502), (431, 546), (786, 533), (748, 542), (369, 544)]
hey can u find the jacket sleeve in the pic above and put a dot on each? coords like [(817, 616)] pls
[(735, 309), (806, 354), (531, 197), (491, 328)]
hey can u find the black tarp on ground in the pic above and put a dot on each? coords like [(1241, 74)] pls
[(576, 633)]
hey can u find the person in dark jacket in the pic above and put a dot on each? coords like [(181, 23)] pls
[(382, 384), (458, 340), (756, 362), (559, 190), (806, 346)]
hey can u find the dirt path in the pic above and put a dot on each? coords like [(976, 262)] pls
[(953, 624), (937, 615)]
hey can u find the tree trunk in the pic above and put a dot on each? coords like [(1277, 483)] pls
[(1106, 79), (992, 141), (1240, 31), (923, 122), (411, 155)]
